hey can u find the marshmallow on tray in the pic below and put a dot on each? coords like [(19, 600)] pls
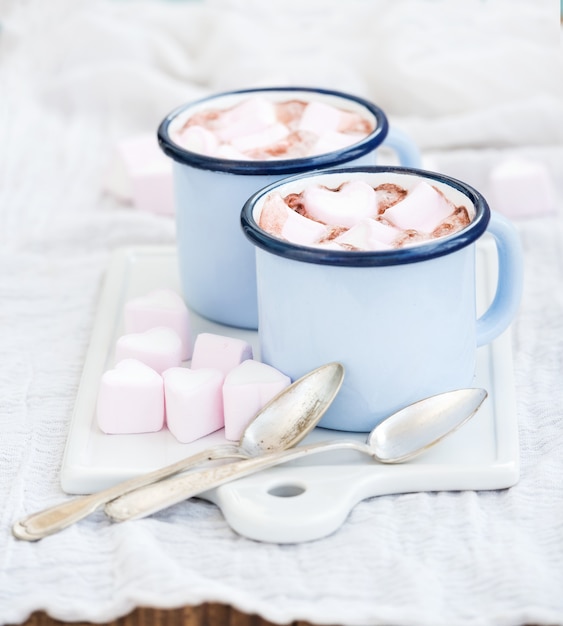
[(130, 399), (142, 174), (160, 307), (194, 402), (159, 348), (247, 388), (219, 352), (522, 188)]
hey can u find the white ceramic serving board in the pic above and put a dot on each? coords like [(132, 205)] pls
[(305, 499)]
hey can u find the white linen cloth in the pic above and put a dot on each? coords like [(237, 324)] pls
[(473, 81)]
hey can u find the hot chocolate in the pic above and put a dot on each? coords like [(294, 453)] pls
[(356, 216), (260, 129), (228, 146), (401, 318)]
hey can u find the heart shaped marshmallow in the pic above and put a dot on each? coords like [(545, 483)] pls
[(198, 139), (194, 402), (160, 308), (332, 140), (159, 348), (281, 221), (370, 234), (319, 117), (130, 399), (247, 388), (250, 116), (422, 209), (351, 203), (260, 139)]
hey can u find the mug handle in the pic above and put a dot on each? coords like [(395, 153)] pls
[(404, 146), (502, 310)]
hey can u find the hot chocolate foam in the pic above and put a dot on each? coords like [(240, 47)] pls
[(260, 129), (357, 216)]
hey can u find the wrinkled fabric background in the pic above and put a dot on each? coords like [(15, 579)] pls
[(473, 82)]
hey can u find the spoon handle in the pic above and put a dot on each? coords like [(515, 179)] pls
[(152, 498), (55, 518)]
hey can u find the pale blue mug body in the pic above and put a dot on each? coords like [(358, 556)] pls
[(216, 262), (402, 322)]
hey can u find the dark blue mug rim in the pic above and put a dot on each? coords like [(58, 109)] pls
[(285, 166), (349, 258)]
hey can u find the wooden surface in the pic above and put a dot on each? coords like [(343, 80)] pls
[(203, 615)]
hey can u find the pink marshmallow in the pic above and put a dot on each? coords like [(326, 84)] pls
[(522, 188), (160, 307), (353, 202), (260, 139), (319, 118), (281, 221), (423, 209), (247, 117), (130, 399), (198, 139), (194, 402), (333, 140), (159, 348), (142, 174), (328, 245), (226, 151), (219, 352), (354, 123), (370, 234), (247, 388)]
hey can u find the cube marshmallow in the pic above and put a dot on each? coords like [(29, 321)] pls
[(247, 388), (219, 352), (142, 174), (522, 188)]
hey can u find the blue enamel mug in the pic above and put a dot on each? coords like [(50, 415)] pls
[(216, 262), (402, 321)]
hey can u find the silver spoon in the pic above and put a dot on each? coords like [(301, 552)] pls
[(281, 424), (400, 437)]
